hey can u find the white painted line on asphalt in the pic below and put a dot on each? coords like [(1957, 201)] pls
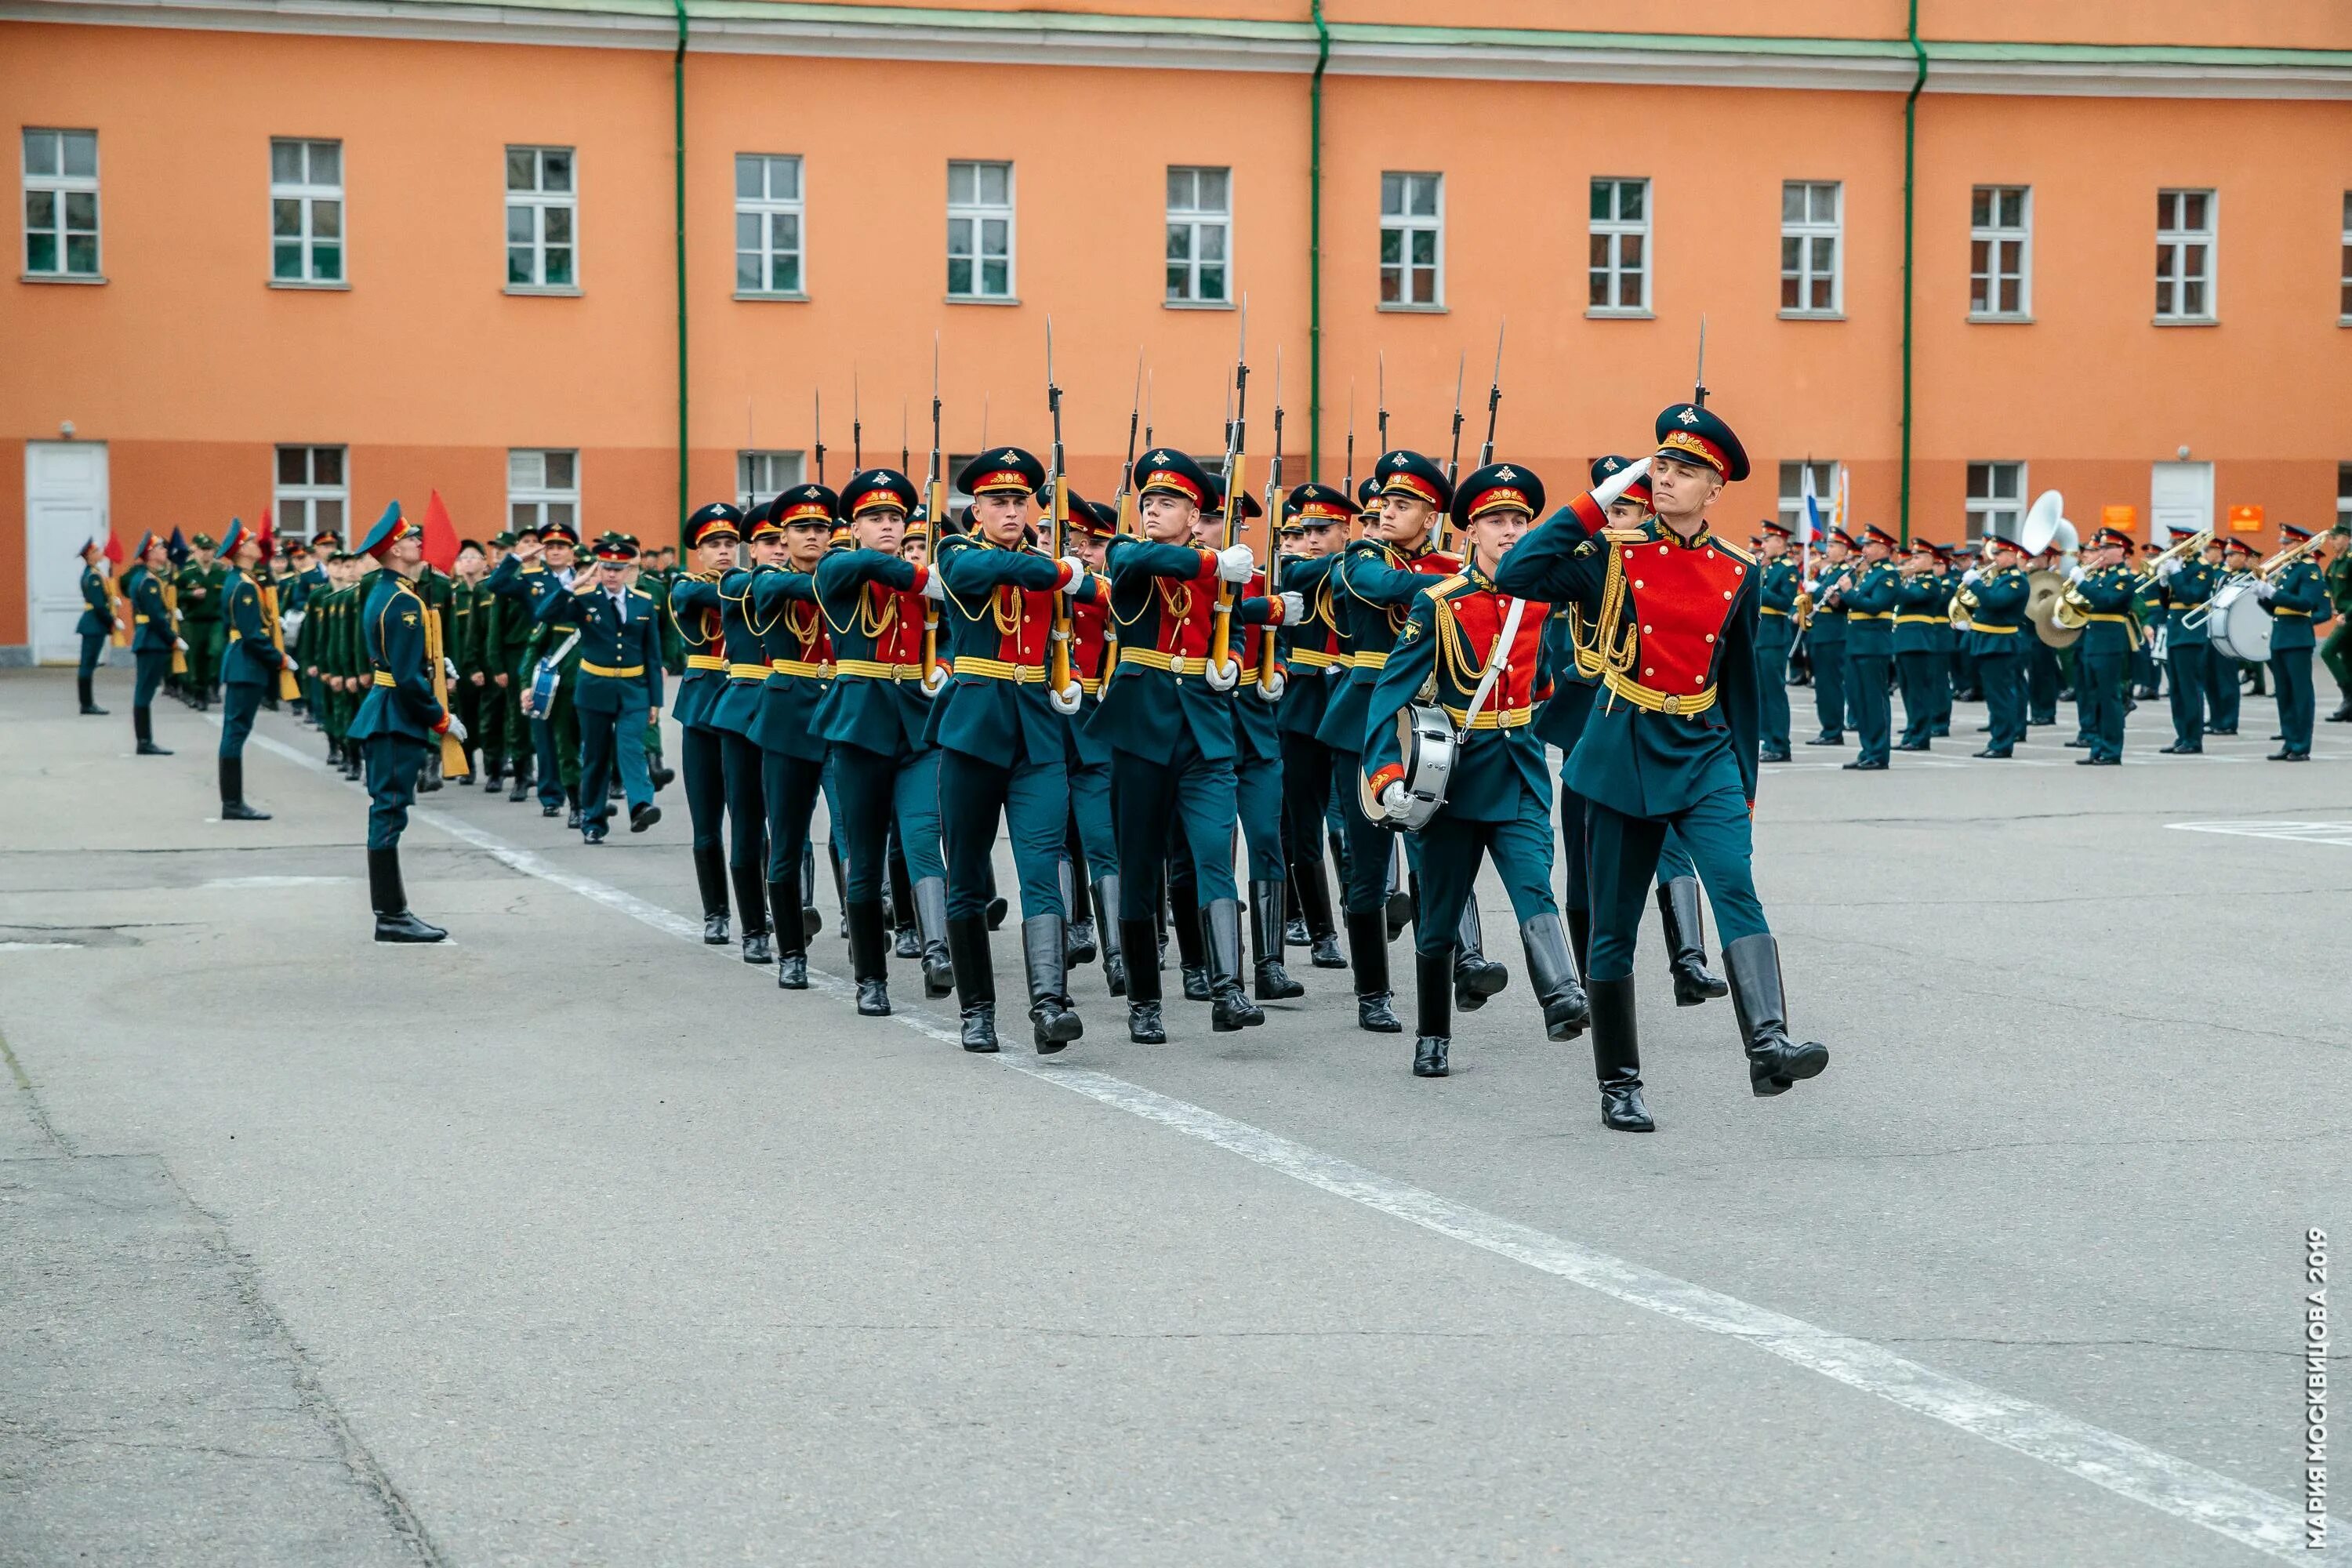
[(35, 946), (2105, 1459), (2338, 834), (274, 882)]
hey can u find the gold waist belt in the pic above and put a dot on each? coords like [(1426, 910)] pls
[(1173, 663), (612, 672), (1992, 631), (1920, 621), (705, 661), (1492, 718), (1308, 658), (2100, 615), (1000, 669), (384, 678), (1771, 611), (874, 669), (1870, 615), (802, 667), (1371, 660), (1673, 703), (747, 672)]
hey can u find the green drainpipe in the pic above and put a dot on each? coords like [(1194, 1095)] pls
[(677, 183), (1314, 249), (1910, 158)]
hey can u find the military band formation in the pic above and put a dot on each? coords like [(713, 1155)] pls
[(1138, 702)]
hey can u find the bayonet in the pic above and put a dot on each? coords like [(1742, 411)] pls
[(856, 425), (1699, 382), (1494, 400), (1453, 458), (1381, 399), (820, 435)]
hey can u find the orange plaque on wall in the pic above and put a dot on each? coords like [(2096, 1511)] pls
[(2124, 517), (2245, 520)]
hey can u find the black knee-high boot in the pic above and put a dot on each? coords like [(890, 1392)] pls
[(791, 937), (1368, 951), (711, 881), (1432, 980), (1617, 1056)]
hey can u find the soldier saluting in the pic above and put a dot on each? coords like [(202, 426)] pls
[(1672, 742)]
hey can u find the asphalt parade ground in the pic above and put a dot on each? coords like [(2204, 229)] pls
[(574, 1241)]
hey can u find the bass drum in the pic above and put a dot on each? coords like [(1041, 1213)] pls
[(2241, 623), (1426, 741)]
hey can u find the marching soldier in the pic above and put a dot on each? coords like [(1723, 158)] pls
[(2186, 588), (96, 624), (2223, 697), (2297, 595), (248, 666), (1171, 736), (1995, 600), (538, 573), (2103, 665), (197, 582), (1317, 655), (711, 536), (1868, 601), (619, 689), (1672, 741), (2337, 651), (735, 709), (1825, 637), (1477, 654), (398, 718), (799, 657), (1921, 601), (1002, 739), (1781, 581), (1094, 653), (874, 718), (153, 638)]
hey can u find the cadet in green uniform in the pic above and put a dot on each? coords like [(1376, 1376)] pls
[(467, 691), (2103, 665), (1919, 611), (248, 666), (1466, 646), (1317, 660), (398, 718), (1774, 632), (1672, 743), (96, 623), (1994, 598), (1825, 637), (197, 584), (618, 690), (536, 572), (153, 638), (509, 639), (2185, 588), (1868, 600), (2337, 651), (781, 607), (2297, 595)]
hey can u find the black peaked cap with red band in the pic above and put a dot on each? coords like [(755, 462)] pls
[(871, 488), (1313, 505), (1171, 472), (1695, 435), (813, 505), (998, 468), (1408, 473), (1496, 487), (719, 519)]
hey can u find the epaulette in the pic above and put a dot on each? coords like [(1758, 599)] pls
[(1625, 535), (1743, 556), (1445, 585)]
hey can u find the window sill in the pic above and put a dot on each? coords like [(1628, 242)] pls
[(2188, 321), (79, 278), (1196, 304), (310, 286), (982, 299), (771, 297), (1618, 313), (1813, 315), (1990, 319), (546, 291), (1402, 309)]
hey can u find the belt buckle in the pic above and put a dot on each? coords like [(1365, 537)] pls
[(1671, 705), (1175, 664)]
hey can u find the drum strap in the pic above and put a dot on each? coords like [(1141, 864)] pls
[(1495, 658)]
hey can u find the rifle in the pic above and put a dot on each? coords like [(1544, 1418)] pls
[(1062, 688), (1453, 458), (1699, 382), (820, 435), (1150, 380), (902, 435), (1494, 401), (1348, 481), (289, 688), (1223, 672), (856, 429), (935, 501), (1270, 677), (1380, 396), (1125, 500)]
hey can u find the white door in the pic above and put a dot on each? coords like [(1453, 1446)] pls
[(2179, 492), (65, 506)]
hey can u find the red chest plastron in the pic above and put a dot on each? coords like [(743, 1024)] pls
[(1185, 609), (1433, 564), (1480, 616), (1679, 600), (901, 639), (813, 644), (1087, 636), (1023, 619)]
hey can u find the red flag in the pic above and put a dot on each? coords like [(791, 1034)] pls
[(269, 540), (440, 535), (113, 548)]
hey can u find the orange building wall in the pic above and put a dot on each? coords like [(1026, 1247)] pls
[(191, 367)]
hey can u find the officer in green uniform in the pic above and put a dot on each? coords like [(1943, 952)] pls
[(2297, 595), (2103, 663), (197, 582), (1477, 654), (343, 659), (1920, 624), (1172, 735), (538, 571), (154, 637), (248, 666), (484, 668), (1825, 637), (1958, 561), (2184, 590), (508, 638), (1317, 659), (469, 690), (1945, 645), (2337, 651), (96, 623), (618, 688), (1672, 743), (1994, 597), (1774, 632), (1868, 599), (399, 717)]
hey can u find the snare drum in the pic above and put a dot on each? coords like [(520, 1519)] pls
[(1425, 736), (2241, 623)]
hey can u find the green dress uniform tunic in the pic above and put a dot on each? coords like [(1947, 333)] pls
[(1996, 637), (1318, 659), (799, 657), (96, 624), (1775, 632), (399, 715), (248, 662), (1869, 605), (2337, 651), (1825, 637), (2103, 662), (619, 681), (1920, 628), (2297, 596), (153, 641), (2184, 592), (530, 589)]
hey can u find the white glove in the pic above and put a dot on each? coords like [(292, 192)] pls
[(180, 643), (448, 668), (1294, 608), (290, 623), (2073, 574), (2263, 591), (456, 731), (1617, 483), (1813, 585), (1972, 575), (2168, 569), (1074, 569), (1236, 564), (932, 587), (1393, 801)]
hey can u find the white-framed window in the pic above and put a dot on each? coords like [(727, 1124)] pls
[(2000, 253), (2344, 494), (543, 487), (306, 211), (1412, 241), (61, 204), (1792, 490), (768, 217), (2184, 256), (1619, 264), (1996, 499), (1200, 236), (2344, 305), (1813, 222), (312, 490), (980, 231), (542, 213), (763, 475)]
